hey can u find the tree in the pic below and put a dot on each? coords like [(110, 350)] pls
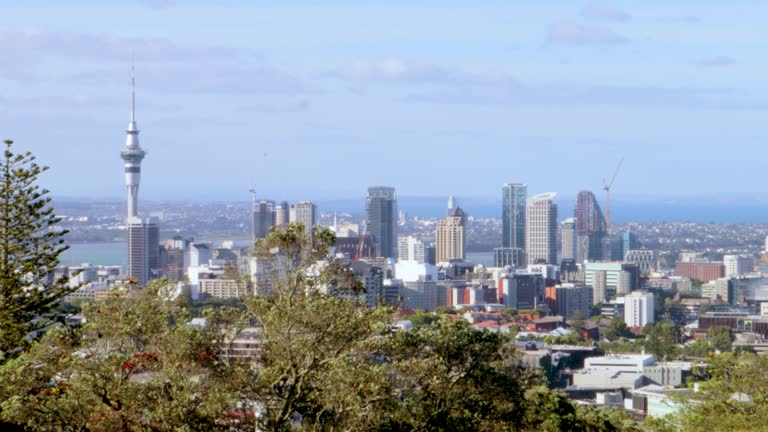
[(323, 360), (317, 337), (445, 310), (698, 348), (720, 338), (578, 321), (422, 318), (617, 329), (135, 365), (451, 377), (733, 397), (30, 247), (661, 338)]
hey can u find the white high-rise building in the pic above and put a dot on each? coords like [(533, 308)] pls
[(410, 249), (638, 309), (199, 254), (738, 265), (541, 229)]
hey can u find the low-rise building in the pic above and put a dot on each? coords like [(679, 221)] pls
[(222, 288)]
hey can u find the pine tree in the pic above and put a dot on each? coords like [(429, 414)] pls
[(30, 247)]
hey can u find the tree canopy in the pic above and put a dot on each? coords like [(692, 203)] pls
[(29, 252), (322, 359)]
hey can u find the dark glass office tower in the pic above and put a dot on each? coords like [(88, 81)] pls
[(381, 219), (514, 197)]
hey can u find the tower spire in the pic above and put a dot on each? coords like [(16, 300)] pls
[(133, 92), (132, 156)]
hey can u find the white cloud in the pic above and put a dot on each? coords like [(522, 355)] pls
[(579, 94), (300, 105), (157, 4), (716, 61), (566, 32), (396, 70), (604, 12), (76, 46), (162, 64)]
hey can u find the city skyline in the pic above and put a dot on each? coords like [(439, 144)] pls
[(266, 97)]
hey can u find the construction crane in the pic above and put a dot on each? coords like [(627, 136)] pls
[(607, 188), (252, 190)]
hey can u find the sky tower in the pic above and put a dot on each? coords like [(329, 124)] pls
[(143, 235), (132, 156)]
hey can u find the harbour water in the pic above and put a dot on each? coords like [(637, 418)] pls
[(114, 253), (484, 258)]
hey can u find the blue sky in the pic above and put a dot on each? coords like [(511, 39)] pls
[(318, 100)]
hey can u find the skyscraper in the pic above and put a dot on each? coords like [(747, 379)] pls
[(143, 236), (451, 236), (381, 219), (282, 214), (568, 239), (590, 228), (306, 213), (176, 267), (513, 215), (263, 218), (628, 242), (541, 229)]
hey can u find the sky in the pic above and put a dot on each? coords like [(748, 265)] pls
[(319, 100)]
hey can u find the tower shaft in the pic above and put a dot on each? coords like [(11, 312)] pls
[(132, 156)]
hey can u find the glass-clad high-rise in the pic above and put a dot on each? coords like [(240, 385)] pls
[(590, 228), (514, 197), (381, 219)]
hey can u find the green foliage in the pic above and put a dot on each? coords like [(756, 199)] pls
[(571, 339), (198, 308), (421, 318), (451, 377), (622, 346), (616, 329), (660, 301), (29, 252), (134, 365), (698, 348), (70, 307), (510, 311), (322, 361), (551, 411), (445, 310), (661, 339), (578, 321), (734, 398), (720, 338)]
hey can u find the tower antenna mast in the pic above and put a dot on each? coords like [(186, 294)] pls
[(252, 190), (607, 185)]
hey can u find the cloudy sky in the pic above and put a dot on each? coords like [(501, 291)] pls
[(432, 97)]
